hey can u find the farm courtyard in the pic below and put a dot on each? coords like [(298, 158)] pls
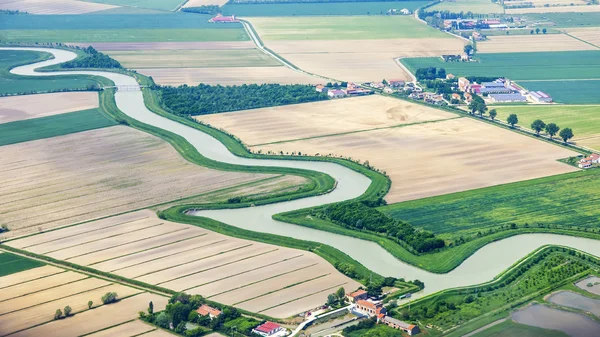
[(425, 152)]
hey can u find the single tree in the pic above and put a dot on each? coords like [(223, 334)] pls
[(468, 49), (481, 109), (537, 30), (512, 120), (109, 297), (67, 310), (531, 32), (552, 129), (180, 329), (163, 320), (57, 314), (150, 308), (331, 299), (90, 303), (341, 293), (474, 106), (544, 30), (538, 125), (566, 134), (493, 113)]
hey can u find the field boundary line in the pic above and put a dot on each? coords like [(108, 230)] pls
[(37, 291), (114, 326), (584, 41), (35, 279), (301, 297), (283, 288)]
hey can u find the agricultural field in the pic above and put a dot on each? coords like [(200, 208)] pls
[(30, 298), (12, 264), (521, 66), (46, 7), (474, 6), (568, 19), (547, 3), (583, 119), (198, 3), (229, 76), (532, 43), (89, 174), (590, 35), (165, 5), (509, 328), (18, 108), (53, 126), (549, 201), (555, 9), (276, 281), (314, 9), (568, 92), (415, 144), (10, 84), (169, 46)]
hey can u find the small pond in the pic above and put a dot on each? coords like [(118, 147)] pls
[(592, 280), (572, 324), (576, 301)]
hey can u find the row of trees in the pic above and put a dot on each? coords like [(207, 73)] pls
[(430, 73), (538, 126), (208, 99), (93, 59), (356, 215), (204, 9), (108, 298)]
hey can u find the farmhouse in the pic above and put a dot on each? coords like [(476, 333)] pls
[(336, 93), (503, 98), (540, 96), (410, 329), (370, 308), (396, 83), (269, 329), (321, 88), (583, 164), (463, 83), (360, 294), (587, 162), (219, 18), (205, 310)]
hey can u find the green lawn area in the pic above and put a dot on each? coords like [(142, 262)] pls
[(584, 120), (475, 6), (323, 8), (11, 264), (568, 92), (343, 28), (52, 126), (569, 200), (166, 5), (377, 331), (520, 66), (591, 19), (509, 328), (12, 84)]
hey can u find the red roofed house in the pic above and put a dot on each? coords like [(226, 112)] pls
[(223, 19), (370, 308), (396, 83), (268, 329), (360, 294), (410, 329), (210, 311), (588, 161)]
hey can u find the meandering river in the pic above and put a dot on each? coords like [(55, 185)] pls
[(480, 267)]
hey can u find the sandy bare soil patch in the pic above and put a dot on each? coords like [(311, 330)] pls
[(531, 43), (198, 3), (555, 9), (65, 180), (47, 282), (98, 319), (228, 76), (591, 35), (321, 118), (361, 60), (33, 106), (128, 329), (53, 6), (28, 275), (205, 262), (131, 46), (442, 157)]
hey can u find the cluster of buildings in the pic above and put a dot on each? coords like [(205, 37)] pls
[(351, 89), (474, 24), (267, 329), (365, 306), (219, 18), (589, 161), (501, 91), (403, 11)]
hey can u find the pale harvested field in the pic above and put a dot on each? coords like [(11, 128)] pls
[(53, 6), (128, 329), (438, 158), (205, 261), (28, 275), (132, 46), (591, 35), (87, 175), (531, 43), (198, 3), (33, 286), (307, 120), (555, 9), (160, 333), (33, 106), (361, 60), (97, 319), (228, 76), (542, 3), (311, 301), (474, 6), (144, 59)]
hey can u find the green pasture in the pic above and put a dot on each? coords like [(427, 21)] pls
[(509, 328), (343, 28), (568, 200), (583, 119), (165, 5), (474, 6), (53, 126), (562, 20), (11, 264), (520, 66), (324, 8), (13, 84), (568, 92)]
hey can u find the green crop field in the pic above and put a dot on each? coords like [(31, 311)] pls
[(52, 126), (584, 120), (509, 328), (569, 200), (591, 19), (326, 8), (166, 5), (343, 28), (569, 92), (11, 263), (474, 6), (520, 66), (12, 84)]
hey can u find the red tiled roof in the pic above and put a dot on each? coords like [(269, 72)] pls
[(367, 304), (267, 327), (359, 292), (206, 310)]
